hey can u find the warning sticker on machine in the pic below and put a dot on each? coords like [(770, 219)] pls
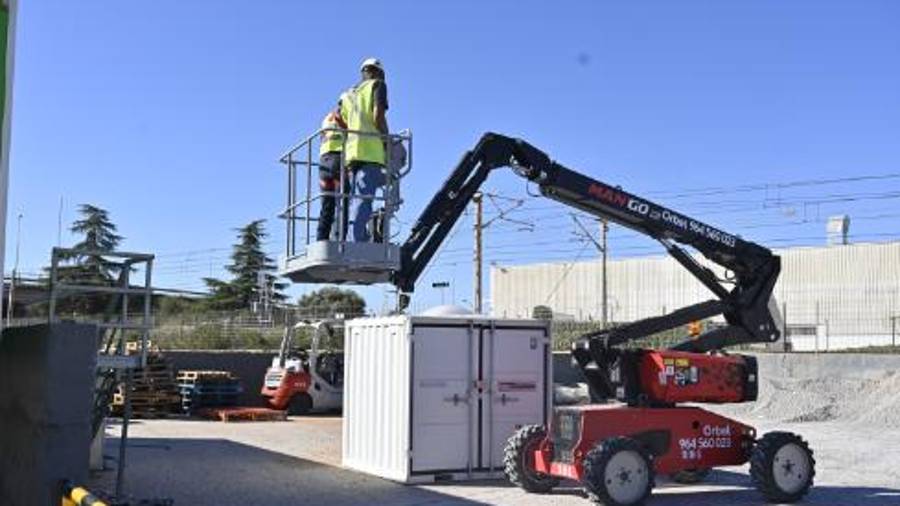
[(516, 386), (680, 370)]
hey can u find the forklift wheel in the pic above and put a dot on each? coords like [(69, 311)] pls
[(782, 467), (518, 460), (300, 404), (618, 472), (690, 476)]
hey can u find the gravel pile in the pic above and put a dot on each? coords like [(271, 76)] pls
[(852, 400), (826, 388)]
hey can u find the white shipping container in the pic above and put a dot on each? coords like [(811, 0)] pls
[(429, 398)]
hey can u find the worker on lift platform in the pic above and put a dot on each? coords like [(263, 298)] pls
[(332, 141), (363, 108)]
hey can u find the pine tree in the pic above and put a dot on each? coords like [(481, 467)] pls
[(86, 265), (99, 236), (248, 260)]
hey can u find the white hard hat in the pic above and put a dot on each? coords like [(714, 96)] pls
[(371, 62)]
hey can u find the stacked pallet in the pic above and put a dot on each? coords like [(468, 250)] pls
[(154, 393), (207, 389)]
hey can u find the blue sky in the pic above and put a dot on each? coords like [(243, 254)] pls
[(171, 115)]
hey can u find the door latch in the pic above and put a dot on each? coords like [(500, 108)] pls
[(456, 399), (507, 398)]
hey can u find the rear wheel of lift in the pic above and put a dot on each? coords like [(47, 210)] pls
[(618, 472), (300, 404), (782, 467), (690, 476), (518, 460)]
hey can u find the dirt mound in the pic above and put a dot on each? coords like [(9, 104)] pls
[(869, 400)]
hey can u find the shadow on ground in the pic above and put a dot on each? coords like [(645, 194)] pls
[(220, 472), (721, 488)]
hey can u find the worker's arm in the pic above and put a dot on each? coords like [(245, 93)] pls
[(381, 120), (381, 107)]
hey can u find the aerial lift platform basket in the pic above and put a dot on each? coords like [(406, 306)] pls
[(340, 260)]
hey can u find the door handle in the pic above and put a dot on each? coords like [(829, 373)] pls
[(456, 399), (507, 398)]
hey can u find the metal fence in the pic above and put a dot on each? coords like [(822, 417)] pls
[(812, 325)]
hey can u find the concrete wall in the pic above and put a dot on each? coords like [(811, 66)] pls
[(249, 366), (47, 379)]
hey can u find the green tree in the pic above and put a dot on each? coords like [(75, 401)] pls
[(99, 235), (248, 263), (87, 265), (329, 302)]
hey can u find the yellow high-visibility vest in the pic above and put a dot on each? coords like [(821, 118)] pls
[(358, 111), (332, 141)]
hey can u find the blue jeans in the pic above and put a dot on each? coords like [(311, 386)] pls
[(367, 178)]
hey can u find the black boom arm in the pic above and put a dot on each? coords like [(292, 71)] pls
[(754, 269)]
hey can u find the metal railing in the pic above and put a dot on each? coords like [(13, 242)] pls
[(117, 316), (113, 359), (301, 209)]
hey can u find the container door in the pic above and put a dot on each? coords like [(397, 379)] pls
[(441, 399), (517, 368)]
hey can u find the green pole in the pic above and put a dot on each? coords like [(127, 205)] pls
[(7, 49)]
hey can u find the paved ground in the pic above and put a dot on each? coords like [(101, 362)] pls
[(296, 462)]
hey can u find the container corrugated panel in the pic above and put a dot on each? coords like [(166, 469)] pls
[(430, 397), (376, 396)]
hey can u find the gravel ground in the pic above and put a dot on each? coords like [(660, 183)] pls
[(296, 462)]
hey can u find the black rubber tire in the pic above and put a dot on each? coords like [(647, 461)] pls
[(762, 466), (596, 461), (517, 465), (690, 476), (300, 404)]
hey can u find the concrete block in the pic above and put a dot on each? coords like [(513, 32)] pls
[(47, 375)]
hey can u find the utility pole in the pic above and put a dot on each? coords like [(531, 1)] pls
[(604, 228), (15, 273), (477, 200), (893, 331), (601, 246)]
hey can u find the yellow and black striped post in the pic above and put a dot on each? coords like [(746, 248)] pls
[(78, 496)]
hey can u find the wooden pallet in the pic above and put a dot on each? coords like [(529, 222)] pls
[(208, 375), (147, 398), (154, 392), (240, 414)]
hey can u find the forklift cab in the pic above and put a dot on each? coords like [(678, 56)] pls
[(303, 379), (340, 259), (323, 358)]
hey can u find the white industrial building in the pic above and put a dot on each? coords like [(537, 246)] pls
[(833, 297)]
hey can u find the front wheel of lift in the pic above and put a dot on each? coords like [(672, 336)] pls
[(782, 467), (618, 472), (518, 460)]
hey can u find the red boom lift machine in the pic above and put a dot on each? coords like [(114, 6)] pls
[(616, 449)]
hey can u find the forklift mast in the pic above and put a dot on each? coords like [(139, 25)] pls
[(742, 298)]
